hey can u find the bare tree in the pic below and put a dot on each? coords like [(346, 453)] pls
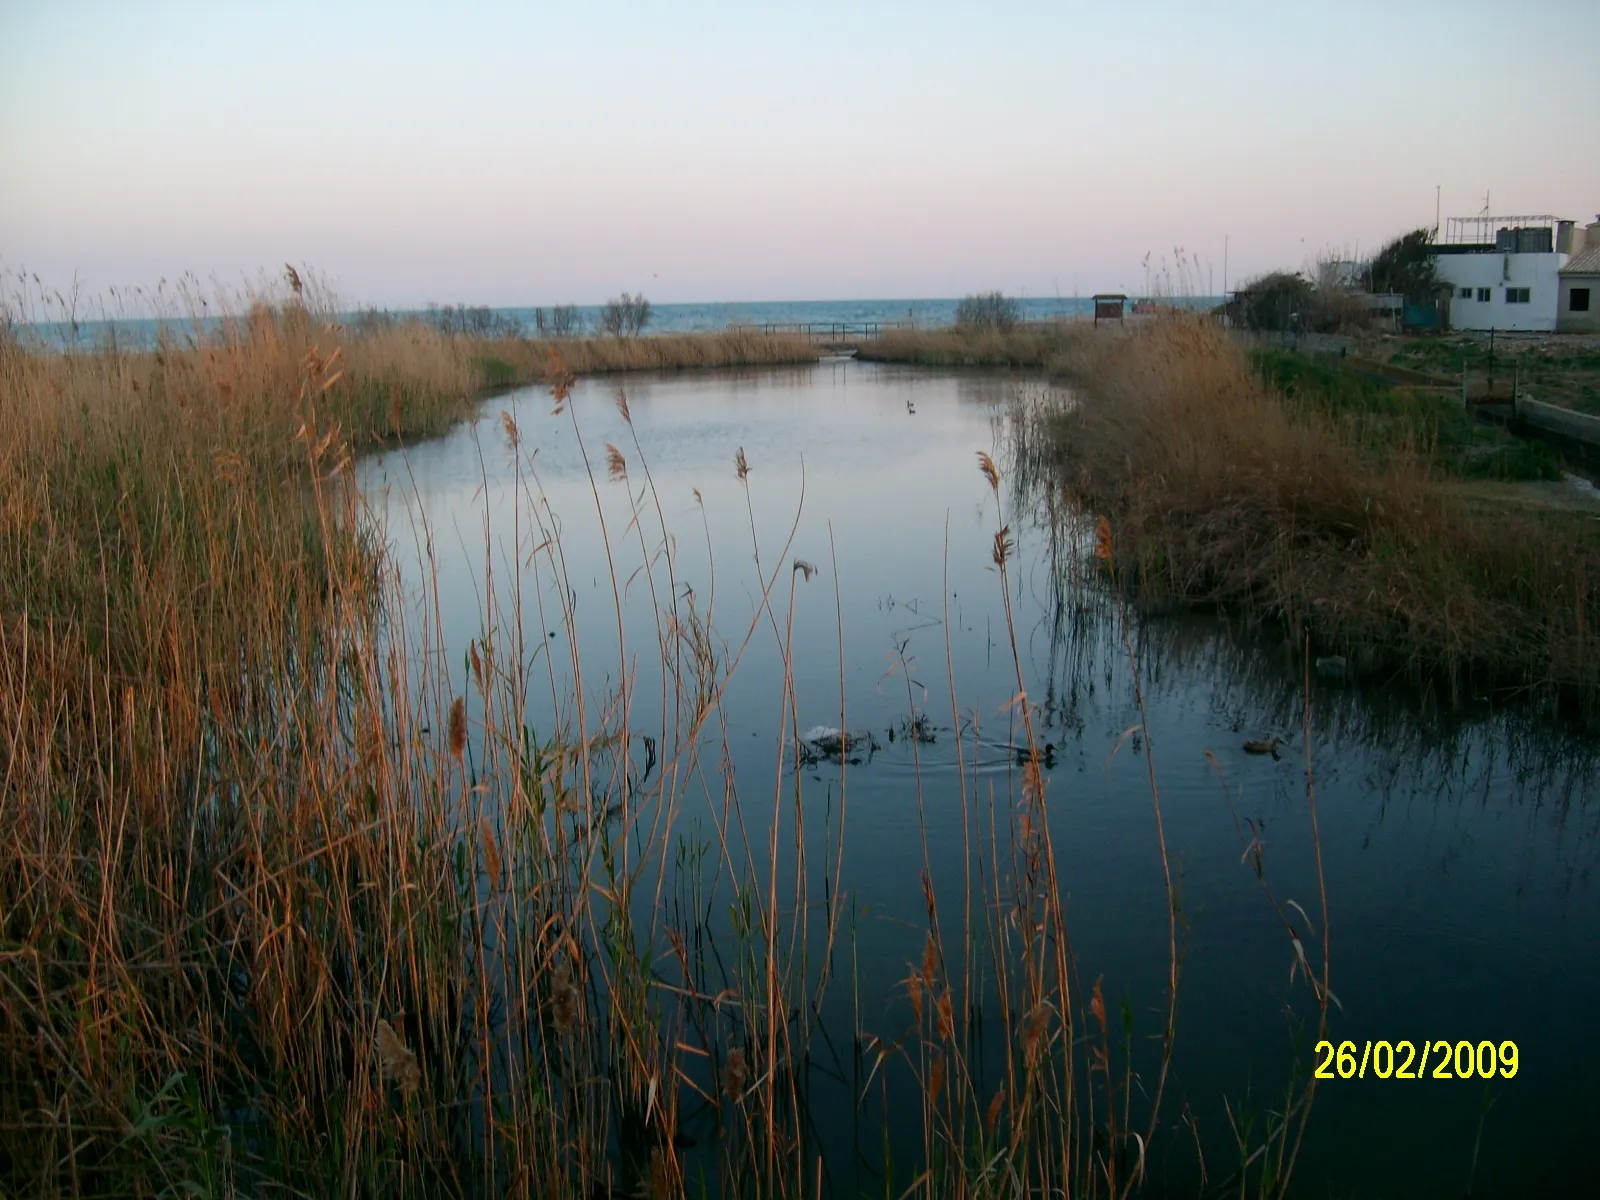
[(460, 320), (625, 316), (565, 321)]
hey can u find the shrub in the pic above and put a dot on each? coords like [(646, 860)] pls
[(1407, 266), (1278, 301), (459, 320), (988, 310), (1327, 509), (564, 321), (625, 316)]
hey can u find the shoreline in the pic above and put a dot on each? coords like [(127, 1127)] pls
[(1353, 519)]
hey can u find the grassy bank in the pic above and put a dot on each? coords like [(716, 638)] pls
[(520, 360), (181, 588), (1047, 345), (1384, 420), (1557, 369), (1325, 508)]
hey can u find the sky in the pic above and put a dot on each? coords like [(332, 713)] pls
[(521, 154)]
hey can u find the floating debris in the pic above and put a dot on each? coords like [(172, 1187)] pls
[(826, 741), (396, 1062)]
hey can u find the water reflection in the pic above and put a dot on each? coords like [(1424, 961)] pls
[(1458, 847)]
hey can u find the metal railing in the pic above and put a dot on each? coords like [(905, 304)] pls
[(838, 331)]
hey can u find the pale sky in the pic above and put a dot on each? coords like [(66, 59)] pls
[(535, 154)]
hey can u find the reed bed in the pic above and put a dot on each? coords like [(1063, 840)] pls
[(1048, 345), (522, 360), (1223, 490), (296, 899)]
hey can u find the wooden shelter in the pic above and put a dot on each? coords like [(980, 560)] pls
[(1108, 306)]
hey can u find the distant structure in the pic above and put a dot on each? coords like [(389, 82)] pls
[(1508, 272), (1108, 306), (1577, 311)]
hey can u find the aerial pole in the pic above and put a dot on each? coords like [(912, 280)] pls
[(1224, 281)]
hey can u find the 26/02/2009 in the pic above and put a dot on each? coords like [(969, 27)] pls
[(1401, 1060)]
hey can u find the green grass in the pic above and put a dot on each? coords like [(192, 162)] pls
[(493, 372), (1382, 419), (1547, 368)]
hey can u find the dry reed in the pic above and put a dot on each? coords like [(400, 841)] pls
[(525, 360), (1222, 492), (1043, 344)]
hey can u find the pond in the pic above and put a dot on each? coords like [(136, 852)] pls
[(1457, 845)]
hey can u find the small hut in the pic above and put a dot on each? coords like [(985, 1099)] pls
[(1108, 306)]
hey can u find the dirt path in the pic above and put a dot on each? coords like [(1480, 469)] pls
[(1571, 494)]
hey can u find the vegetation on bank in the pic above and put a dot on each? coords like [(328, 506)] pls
[(1557, 369), (1045, 345), (1323, 507), (180, 578), (1332, 297), (517, 361), (992, 310), (1384, 420), (625, 315), (500, 354)]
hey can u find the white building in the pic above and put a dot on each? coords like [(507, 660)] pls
[(1504, 273)]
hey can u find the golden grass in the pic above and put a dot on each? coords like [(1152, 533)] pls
[(180, 578), (1220, 491), (1043, 344), (736, 347)]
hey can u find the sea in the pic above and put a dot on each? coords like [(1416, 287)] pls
[(145, 332)]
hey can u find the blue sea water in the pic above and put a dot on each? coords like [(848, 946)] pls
[(142, 333)]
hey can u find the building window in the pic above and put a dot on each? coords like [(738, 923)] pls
[(1483, 295), (1578, 300), (1466, 293), (1517, 295)]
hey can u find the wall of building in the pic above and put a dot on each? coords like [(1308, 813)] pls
[(1568, 321), (1539, 273)]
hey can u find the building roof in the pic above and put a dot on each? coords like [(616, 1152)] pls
[(1587, 263)]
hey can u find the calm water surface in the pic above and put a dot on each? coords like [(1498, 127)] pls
[(1459, 848)]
